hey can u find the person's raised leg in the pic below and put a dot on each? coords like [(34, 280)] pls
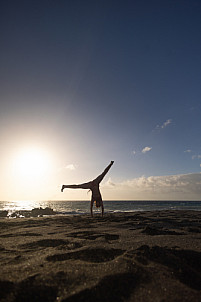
[(101, 176)]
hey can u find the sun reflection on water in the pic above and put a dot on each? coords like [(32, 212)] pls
[(20, 205)]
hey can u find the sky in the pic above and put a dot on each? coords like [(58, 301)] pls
[(86, 82)]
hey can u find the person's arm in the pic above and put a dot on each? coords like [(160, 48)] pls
[(101, 176), (86, 185)]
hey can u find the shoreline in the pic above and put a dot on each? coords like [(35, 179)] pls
[(76, 208), (132, 256)]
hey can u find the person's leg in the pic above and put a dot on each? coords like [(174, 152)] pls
[(101, 176), (102, 209), (80, 186), (91, 207)]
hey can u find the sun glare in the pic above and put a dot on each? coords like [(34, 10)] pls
[(31, 164)]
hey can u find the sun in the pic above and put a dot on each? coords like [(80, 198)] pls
[(31, 171), (31, 164)]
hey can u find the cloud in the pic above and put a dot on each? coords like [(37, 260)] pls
[(181, 182), (196, 156), (170, 187), (70, 167), (165, 124), (188, 151), (109, 184), (146, 149)]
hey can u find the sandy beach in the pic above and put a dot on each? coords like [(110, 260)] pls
[(142, 256)]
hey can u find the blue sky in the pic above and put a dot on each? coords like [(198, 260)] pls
[(92, 81)]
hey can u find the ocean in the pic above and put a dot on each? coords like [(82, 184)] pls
[(25, 208)]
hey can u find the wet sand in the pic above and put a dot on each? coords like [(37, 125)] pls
[(142, 256)]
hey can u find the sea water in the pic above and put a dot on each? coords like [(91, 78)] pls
[(83, 207)]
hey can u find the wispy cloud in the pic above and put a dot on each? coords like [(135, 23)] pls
[(188, 151), (70, 167), (146, 149), (196, 156), (165, 124), (109, 183)]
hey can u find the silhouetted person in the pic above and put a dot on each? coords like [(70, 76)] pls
[(94, 187)]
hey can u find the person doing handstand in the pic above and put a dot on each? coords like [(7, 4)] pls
[(94, 187)]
